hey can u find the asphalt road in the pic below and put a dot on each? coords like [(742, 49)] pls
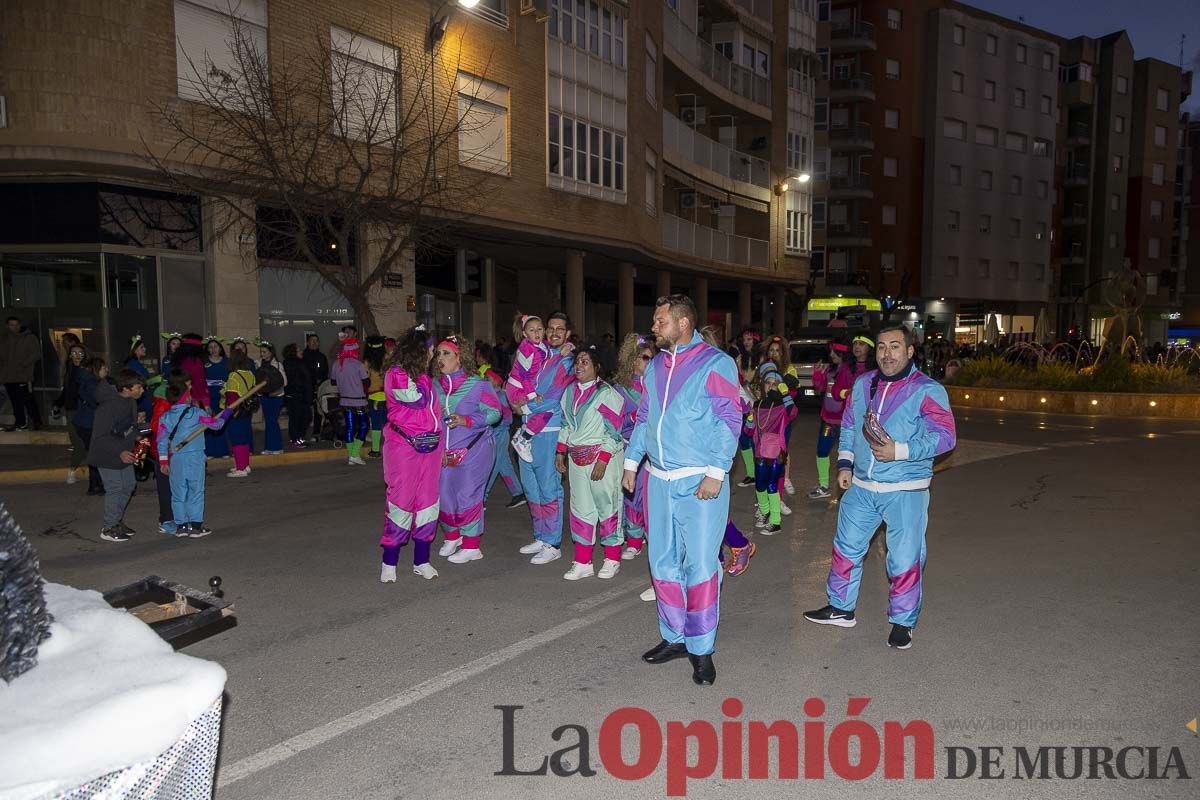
[(1060, 598)]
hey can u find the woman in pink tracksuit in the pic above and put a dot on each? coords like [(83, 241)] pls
[(836, 391), (413, 443)]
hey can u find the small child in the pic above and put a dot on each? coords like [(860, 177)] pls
[(114, 433), (184, 463), (521, 388), (772, 413)]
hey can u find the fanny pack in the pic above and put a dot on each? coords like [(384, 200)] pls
[(454, 457), (584, 455), (422, 442)]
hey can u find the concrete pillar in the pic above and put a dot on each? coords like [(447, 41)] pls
[(232, 278), (700, 298), (389, 303), (781, 295), (574, 299), (662, 283), (744, 306), (624, 299)]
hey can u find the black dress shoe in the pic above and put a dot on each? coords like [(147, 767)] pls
[(664, 651), (703, 670)]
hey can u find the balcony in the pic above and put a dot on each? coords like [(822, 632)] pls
[(701, 241), (1073, 254), (851, 37), (851, 139), (1075, 216), (708, 65), (756, 8), (851, 90), (1079, 134), (710, 161), (850, 187), (1077, 175), (848, 234)]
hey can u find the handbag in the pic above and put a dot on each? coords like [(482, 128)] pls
[(422, 442), (584, 455), (453, 458)]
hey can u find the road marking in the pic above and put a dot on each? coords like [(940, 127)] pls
[(602, 598), (969, 451), (314, 737)]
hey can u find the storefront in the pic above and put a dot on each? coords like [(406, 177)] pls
[(857, 311)]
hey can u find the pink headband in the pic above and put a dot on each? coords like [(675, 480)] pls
[(840, 348), (452, 344), (192, 340), (526, 317)]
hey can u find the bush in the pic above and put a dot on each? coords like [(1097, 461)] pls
[(1115, 374)]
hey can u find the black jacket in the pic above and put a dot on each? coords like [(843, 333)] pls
[(299, 378), (114, 429), (318, 367)]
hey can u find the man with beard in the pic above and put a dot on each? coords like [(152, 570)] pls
[(896, 422), (687, 424)]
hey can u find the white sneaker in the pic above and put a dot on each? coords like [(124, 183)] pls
[(238, 473), (388, 575), (783, 508), (531, 548), (358, 462), (546, 555), (71, 476), (449, 547), (760, 519), (523, 446), (579, 571), (648, 595), (465, 555), (427, 571), (630, 553), (788, 487), (272, 452), (609, 569)]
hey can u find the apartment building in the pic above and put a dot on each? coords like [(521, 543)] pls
[(626, 150), (1187, 327)]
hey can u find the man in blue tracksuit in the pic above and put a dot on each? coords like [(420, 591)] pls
[(895, 423), (687, 423)]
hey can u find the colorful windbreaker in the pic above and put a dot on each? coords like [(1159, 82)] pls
[(415, 410), (556, 375)]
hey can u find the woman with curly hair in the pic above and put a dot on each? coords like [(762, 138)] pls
[(413, 445), (635, 354)]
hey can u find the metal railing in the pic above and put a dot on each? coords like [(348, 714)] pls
[(721, 159), (758, 8), (856, 132), (848, 230), (862, 83), (1077, 171), (703, 242), (1079, 130), (852, 30), (849, 182), (712, 63)]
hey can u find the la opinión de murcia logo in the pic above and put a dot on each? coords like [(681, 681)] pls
[(738, 749)]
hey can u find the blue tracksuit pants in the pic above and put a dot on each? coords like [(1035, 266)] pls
[(544, 489), (684, 535), (859, 515), (503, 468), (187, 486)]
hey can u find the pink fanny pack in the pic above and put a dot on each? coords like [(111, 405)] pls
[(584, 455)]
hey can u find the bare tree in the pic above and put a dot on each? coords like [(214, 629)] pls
[(342, 155)]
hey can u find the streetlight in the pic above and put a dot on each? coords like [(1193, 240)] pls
[(439, 21), (803, 177)]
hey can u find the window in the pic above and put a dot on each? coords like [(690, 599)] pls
[(1041, 148), (1014, 184), (208, 42), (818, 213), (794, 223), (891, 118), (816, 262), (1156, 211), (891, 167), (1162, 99), (952, 220), (1119, 123), (985, 268), (1047, 105), (1047, 61), (985, 135), (820, 114), (1114, 202), (823, 58), (483, 124), (1112, 241), (1153, 247), (1160, 136), (1039, 272), (494, 11), (1022, 54), (955, 175), (1014, 142), (553, 128), (1014, 270), (985, 223), (1040, 232), (895, 19), (651, 183), (954, 128), (989, 90), (365, 87), (887, 262), (990, 44), (985, 180), (1069, 73), (956, 82), (1018, 98), (1014, 228), (952, 266), (1157, 174), (793, 151), (1122, 84), (960, 35), (889, 215), (823, 10), (1043, 189), (651, 72), (892, 68)]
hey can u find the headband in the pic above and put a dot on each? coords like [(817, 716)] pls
[(420, 327), (526, 317), (263, 343), (193, 340), (170, 336), (213, 338), (452, 343), (864, 339), (838, 347), (135, 340)]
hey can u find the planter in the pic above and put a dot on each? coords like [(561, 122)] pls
[(1109, 404)]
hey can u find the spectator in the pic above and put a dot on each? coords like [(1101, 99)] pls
[(298, 393), (20, 352), (68, 403), (111, 452), (318, 369), (270, 372), (216, 371)]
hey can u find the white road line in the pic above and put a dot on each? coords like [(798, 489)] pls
[(314, 737), (612, 594)]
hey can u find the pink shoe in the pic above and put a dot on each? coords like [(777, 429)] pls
[(740, 561)]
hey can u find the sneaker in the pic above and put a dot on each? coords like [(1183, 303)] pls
[(125, 529), (630, 553), (19, 428), (388, 573), (740, 557), (466, 554), (169, 528), (746, 481), (831, 616), (609, 569), (901, 637), (783, 508), (426, 571), (114, 534), (788, 486), (546, 555), (272, 452), (648, 595), (819, 493), (523, 446), (760, 519), (375, 454), (238, 473), (449, 547), (517, 501), (72, 477), (358, 462), (299, 444), (771, 530), (579, 571), (533, 547), (197, 530)]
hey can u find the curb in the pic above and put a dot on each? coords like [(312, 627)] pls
[(1092, 404), (19, 477)]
